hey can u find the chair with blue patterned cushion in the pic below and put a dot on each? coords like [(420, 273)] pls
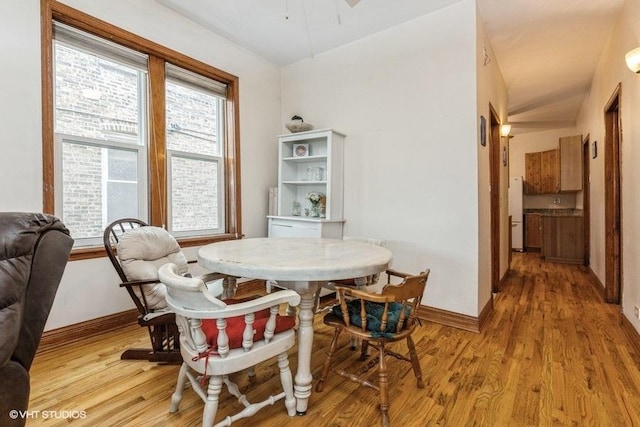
[(378, 319)]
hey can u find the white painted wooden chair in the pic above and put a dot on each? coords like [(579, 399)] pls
[(218, 338)]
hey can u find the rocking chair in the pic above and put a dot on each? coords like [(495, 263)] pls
[(136, 251)]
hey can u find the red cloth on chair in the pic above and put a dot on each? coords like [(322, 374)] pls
[(236, 325)]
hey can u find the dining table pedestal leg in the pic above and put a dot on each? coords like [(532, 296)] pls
[(302, 382)]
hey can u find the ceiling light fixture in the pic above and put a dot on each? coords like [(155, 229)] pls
[(632, 59)]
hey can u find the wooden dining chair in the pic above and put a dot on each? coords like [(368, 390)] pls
[(378, 320)]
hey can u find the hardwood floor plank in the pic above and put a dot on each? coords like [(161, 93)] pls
[(551, 353)]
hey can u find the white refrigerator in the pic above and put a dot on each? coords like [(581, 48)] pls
[(515, 211)]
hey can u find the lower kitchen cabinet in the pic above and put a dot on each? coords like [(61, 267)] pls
[(563, 239), (532, 231)]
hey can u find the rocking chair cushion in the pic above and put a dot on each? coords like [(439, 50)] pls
[(236, 325), (142, 252), (374, 315)]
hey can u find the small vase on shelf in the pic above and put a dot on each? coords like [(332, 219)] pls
[(296, 210), (317, 201)]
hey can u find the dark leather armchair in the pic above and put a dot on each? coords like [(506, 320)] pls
[(34, 249)]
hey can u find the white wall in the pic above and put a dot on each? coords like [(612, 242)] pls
[(491, 90), (20, 107), (611, 71), (89, 288), (405, 98)]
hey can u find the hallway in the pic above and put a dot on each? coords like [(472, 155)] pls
[(572, 361)]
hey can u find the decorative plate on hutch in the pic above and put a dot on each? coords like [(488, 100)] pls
[(300, 150)]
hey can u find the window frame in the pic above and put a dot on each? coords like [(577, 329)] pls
[(157, 151)]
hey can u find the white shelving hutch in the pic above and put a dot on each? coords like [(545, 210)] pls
[(325, 150)]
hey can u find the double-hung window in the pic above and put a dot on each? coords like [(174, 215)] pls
[(135, 135), (195, 122), (100, 92)]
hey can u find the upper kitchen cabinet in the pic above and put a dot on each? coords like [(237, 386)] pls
[(550, 172), (532, 179), (555, 171), (571, 163), (542, 172)]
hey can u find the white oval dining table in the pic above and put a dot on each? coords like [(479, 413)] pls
[(301, 264)]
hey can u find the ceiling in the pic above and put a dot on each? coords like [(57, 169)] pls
[(547, 50)]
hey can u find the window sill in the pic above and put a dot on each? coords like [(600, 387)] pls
[(99, 252)]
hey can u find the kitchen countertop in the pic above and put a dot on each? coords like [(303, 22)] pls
[(555, 212)]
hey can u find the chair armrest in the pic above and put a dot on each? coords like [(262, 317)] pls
[(361, 294), (149, 317), (251, 306), (391, 272), (210, 277), (138, 283)]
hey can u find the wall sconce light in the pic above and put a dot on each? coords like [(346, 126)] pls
[(632, 59), (505, 130)]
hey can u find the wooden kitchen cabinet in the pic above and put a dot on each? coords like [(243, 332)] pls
[(555, 171), (571, 163), (532, 184), (532, 232), (563, 239), (549, 172), (542, 172)]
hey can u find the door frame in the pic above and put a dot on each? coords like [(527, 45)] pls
[(494, 183), (613, 198), (586, 198)]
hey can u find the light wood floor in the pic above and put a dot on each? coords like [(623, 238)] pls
[(551, 354)]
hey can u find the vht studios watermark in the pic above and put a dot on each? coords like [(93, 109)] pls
[(15, 414)]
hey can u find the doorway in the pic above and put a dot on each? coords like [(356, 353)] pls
[(494, 178), (612, 197)]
